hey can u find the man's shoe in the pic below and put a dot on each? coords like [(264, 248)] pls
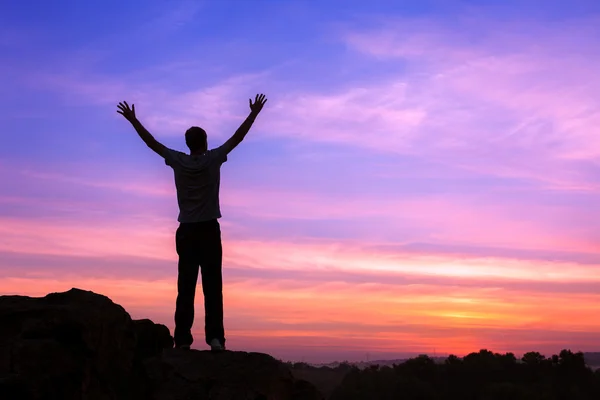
[(215, 345), (183, 346)]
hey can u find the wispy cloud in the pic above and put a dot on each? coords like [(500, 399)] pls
[(444, 219), (418, 318), (533, 83), (504, 105), (507, 105), (135, 239)]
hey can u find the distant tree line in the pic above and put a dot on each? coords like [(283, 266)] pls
[(478, 376)]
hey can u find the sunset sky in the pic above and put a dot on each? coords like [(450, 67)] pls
[(425, 176)]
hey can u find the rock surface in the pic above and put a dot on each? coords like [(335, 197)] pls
[(81, 345), (192, 374)]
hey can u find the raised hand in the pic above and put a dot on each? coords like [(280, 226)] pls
[(128, 113), (259, 102)]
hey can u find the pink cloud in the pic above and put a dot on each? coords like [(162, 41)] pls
[(541, 79), (460, 220), (501, 107), (154, 239)]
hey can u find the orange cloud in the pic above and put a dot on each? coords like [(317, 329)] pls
[(367, 318)]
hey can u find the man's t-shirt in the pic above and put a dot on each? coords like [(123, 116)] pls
[(197, 179)]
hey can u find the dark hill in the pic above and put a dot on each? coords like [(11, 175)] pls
[(81, 345)]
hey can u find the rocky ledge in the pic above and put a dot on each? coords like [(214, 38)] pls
[(80, 345)]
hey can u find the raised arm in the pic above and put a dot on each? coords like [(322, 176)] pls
[(240, 133), (129, 114)]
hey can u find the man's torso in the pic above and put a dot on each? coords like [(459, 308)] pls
[(197, 180)]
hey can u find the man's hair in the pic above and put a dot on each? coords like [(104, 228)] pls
[(195, 138)]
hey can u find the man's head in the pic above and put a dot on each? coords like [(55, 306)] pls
[(195, 138)]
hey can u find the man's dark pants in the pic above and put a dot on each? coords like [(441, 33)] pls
[(198, 245)]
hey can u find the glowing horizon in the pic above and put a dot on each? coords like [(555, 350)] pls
[(424, 178)]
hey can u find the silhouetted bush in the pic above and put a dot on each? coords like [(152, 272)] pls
[(478, 376)]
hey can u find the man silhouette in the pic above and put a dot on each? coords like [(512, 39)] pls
[(198, 237)]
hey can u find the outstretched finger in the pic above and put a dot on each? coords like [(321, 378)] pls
[(126, 105), (133, 107)]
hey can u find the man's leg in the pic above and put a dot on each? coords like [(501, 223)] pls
[(212, 282), (187, 277)]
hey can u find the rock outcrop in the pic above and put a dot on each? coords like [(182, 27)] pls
[(81, 345)]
